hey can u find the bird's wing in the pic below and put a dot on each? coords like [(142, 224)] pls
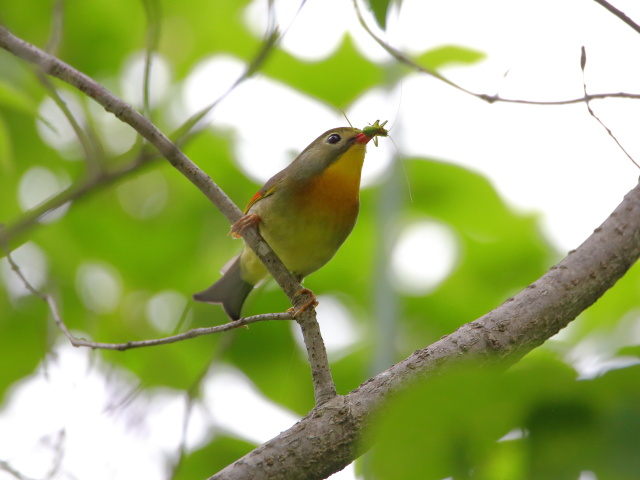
[(265, 191)]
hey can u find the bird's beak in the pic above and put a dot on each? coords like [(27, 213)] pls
[(362, 138)]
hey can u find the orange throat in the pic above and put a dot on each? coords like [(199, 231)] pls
[(337, 190)]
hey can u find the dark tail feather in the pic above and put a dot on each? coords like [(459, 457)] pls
[(231, 291)]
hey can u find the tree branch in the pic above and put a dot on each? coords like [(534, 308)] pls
[(620, 14), (81, 342), (327, 439), (324, 388)]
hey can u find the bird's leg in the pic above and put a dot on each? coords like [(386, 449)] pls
[(238, 228), (310, 303)]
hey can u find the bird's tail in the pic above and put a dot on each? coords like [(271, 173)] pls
[(230, 291)]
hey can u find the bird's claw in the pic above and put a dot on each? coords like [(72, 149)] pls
[(312, 302), (239, 227)]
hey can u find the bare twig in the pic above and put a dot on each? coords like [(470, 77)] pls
[(620, 14), (89, 141), (583, 63), (401, 57), (193, 333), (571, 101), (152, 11), (58, 446), (58, 455), (7, 468), (188, 128), (92, 150)]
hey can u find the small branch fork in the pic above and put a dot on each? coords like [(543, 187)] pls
[(324, 387)]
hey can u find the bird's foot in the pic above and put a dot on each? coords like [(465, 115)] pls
[(239, 227), (311, 302)]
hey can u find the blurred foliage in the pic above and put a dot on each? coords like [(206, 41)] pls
[(448, 55), (534, 422), (181, 247), (216, 455)]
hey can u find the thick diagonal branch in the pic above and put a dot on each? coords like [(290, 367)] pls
[(327, 439)]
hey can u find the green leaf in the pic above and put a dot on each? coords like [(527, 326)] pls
[(615, 304), (380, 9), (338, 80), (211, 458), (454, 425), (632, 350), (447, 55), (442, 427)]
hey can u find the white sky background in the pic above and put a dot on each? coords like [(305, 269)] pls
[(554, 161)]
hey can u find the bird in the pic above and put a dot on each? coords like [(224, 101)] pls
[(304, 212)]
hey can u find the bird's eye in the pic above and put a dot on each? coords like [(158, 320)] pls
[(333, 138)]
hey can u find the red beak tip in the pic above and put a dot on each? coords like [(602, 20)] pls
[(362, 138)]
